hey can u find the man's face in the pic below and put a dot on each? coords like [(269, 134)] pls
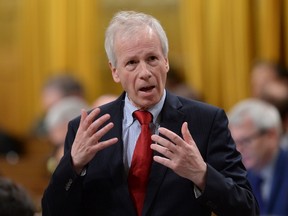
[(255, 147), (260, 76), (50, 96), (141, 67)]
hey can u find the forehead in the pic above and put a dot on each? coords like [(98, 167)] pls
[(141, 37), (246, 125), (262, 72)]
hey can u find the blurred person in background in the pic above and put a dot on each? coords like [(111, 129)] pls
[(11, 147), (176, 84), (264, 72), (104, 99), (56, 123), (276, 93), (54, 89), (256, 128), (14, 199)]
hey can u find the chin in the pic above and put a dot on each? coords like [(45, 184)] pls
[(146, 105)]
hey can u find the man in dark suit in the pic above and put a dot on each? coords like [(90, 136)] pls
[(196, 169), (257, 129)]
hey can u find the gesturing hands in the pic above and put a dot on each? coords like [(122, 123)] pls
[(180, 155), (86, 143)]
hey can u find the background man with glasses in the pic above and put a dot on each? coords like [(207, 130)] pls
[(256, 128)]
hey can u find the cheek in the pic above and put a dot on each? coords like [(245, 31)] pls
[(161, 78), (127, 83), (246, 152), (57, 134), (257, 152), (164, 78)]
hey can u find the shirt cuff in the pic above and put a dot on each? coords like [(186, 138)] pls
[(197, 192)]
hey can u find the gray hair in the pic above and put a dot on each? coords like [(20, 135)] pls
[(64, 111), (128, 23), (264, 115)]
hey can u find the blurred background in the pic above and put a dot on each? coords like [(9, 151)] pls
[(213, 45)]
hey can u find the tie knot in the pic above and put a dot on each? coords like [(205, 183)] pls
[(144, 117)]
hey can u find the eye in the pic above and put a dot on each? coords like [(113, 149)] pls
[(131, 62), (131, 65), (152, 58)]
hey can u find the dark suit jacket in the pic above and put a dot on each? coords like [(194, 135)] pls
[(104, 191), (277, 203)]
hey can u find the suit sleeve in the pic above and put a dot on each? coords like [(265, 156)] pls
[(227, 191)]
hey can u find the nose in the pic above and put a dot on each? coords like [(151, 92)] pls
[(144, 70)]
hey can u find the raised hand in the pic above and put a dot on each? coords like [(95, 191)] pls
[(180, 155), (86, 143)]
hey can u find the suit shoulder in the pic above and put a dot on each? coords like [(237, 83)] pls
[(198, 105), (113, 107)]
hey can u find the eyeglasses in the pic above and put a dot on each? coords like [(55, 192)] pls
[(247, 140)]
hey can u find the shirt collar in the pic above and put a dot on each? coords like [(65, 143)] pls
[(129, 108), (267, 171)]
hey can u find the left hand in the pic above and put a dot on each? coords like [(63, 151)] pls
[(180, 155)]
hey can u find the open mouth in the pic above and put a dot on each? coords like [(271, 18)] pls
[(147, 89)]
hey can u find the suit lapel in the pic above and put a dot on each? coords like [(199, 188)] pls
[(171, 118), (116, 166)]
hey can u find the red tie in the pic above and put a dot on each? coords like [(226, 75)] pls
[(141, 161)]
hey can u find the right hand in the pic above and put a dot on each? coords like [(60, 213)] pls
[(86, 143)]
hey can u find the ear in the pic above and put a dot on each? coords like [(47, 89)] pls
[(167, 65), (272, 137), (115, 74)]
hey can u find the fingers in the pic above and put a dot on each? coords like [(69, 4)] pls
[(164, 161), (87, 119), (180, 155), (172, 143), (163, 149), (186, 133), (90, 123), (104, 144), (171, 140), (165, 146), (95, 125), (98, 134), (87, 141), (83, 116), (91, 126)]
